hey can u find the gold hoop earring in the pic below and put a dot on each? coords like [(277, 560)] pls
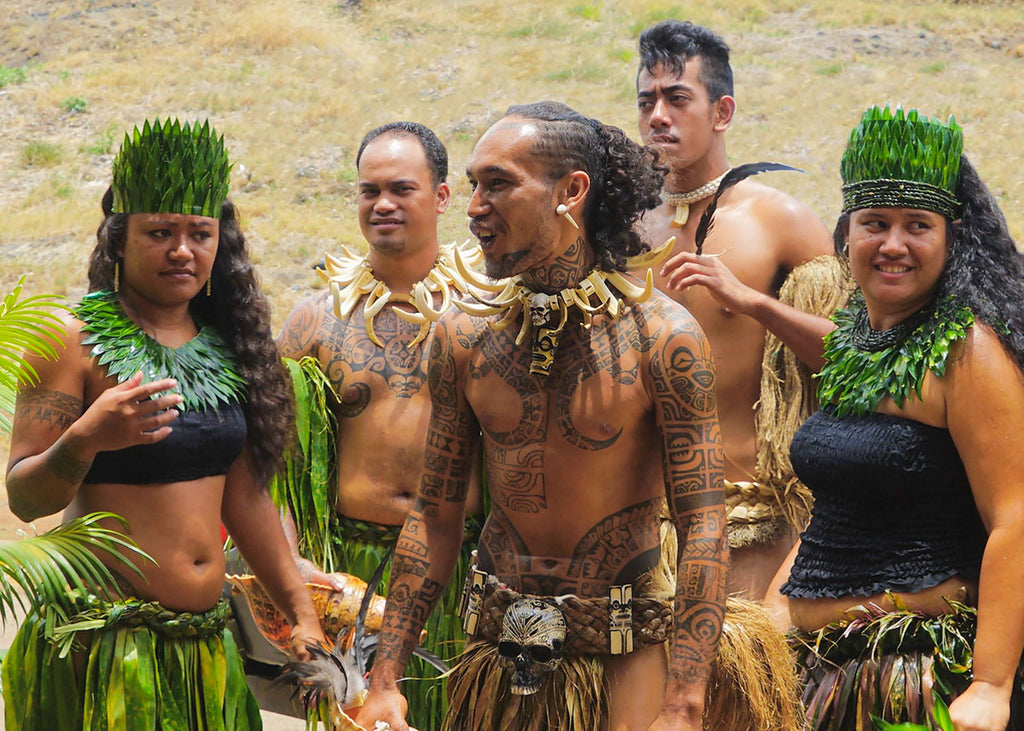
[(117, 275), (209, 285), (563, 211)]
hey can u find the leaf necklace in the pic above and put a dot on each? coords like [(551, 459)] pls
[(862, 366), (204, 367)]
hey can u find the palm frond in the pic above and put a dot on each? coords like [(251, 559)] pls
[(27, 325), (60, 567)]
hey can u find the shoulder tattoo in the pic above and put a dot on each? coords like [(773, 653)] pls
[(56, 409)]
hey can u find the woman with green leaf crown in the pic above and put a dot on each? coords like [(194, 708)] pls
[(167, 405), (905, 588)]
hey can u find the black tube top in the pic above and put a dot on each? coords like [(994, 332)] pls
[(202, 443), (893, 509)]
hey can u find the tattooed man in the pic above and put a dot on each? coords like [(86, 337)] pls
[(375, 360), (685, 107), (594, 401)]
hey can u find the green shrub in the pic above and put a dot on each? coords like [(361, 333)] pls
[(40, 154), (11, 75), (74, 104)]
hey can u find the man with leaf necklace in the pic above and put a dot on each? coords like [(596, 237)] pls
[(729, 278), (361, 381)]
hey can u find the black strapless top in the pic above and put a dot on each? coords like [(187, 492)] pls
[(893, 509), (201, 444)]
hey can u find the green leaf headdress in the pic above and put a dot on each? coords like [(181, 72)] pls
[(171, 167), (904, 160)]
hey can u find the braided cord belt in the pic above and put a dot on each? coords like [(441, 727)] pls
[(749, 502), (587, 620)]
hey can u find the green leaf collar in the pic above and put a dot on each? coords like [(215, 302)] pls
[(204, 367), (856, 378)]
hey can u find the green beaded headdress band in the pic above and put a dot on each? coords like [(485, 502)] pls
[(171, 167), (903, 160)]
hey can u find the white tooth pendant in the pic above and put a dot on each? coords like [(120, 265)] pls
[(563, 211)]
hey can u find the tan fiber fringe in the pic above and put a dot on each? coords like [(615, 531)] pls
[(571, 699), (753, 684), (788, 392)]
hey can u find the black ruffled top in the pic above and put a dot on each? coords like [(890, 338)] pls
[(202, 443), (893, 509)]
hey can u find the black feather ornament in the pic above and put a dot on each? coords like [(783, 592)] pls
[(738, 173), (338, 674)]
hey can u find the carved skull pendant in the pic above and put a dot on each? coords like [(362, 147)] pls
[(540, 308), (532, 642)]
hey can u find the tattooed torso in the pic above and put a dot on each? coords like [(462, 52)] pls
[(383, 407), (575, 461)]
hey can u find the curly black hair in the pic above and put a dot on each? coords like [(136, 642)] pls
[(984, 269), (241, 314), (625, 180), (671, 43)]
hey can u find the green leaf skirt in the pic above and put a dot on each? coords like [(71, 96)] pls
[(889, 665), (131, 676)]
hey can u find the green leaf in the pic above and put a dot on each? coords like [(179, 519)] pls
[(39, 571), (28, 326)]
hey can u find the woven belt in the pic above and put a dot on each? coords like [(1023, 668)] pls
[(587, 620)]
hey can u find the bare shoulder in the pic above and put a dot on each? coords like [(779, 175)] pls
[(301, 331), (798, 233), (981, 367), (71, 358)]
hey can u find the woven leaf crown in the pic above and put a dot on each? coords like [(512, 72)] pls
[(171, 167), (890, 145)]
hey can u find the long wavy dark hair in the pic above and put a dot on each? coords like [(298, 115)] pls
[(984, 269), (625, 180), (241, 314)]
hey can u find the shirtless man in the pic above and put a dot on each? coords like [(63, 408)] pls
[(585, 432), (685, 102), (377, 365)]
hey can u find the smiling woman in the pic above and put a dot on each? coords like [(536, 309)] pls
[(167, 404), (901, 582)]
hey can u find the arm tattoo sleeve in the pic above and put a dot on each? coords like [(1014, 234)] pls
[(683, 380), (430, 539)]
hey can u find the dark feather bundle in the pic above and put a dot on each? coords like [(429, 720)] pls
[(738, 173), (338, 675)]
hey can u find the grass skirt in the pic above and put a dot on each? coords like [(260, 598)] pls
[(891, 665), (752, 685), (131, 676)]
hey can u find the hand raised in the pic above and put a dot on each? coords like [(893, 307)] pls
[(687, 269), (129, 414)]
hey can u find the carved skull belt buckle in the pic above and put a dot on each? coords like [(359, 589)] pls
[(532, 642)]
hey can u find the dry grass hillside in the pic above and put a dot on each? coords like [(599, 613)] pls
[(294, 84)]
